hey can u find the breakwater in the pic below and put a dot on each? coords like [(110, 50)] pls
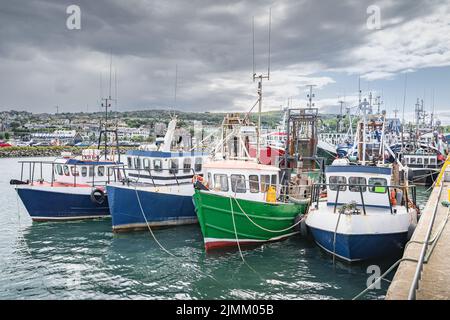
[(44, 151)]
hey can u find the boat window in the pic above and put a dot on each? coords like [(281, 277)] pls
[(273, 182), (254, 183), (425, 161), (157, 164), (221, 182), (173, 166), (137, 163), (83, 171), (198, 164), (59, 169), (419, 160), (130, 162), (109, 171), (74, 171), (356, 184), (91, 171), (377, 185), (66, 170), (335, 180), (238, 183), (101, 171), (187, 165), (433, 161), (412, 161), (146, 164), (265, 182), (209, 179)]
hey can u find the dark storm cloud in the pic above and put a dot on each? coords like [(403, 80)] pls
[(42, 63)]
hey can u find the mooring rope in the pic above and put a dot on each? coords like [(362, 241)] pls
[(167, 251), (237, 241), (263, 228), (432, 242)]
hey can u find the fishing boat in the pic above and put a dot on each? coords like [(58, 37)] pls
[(366, 213), (72, 187), (362, 216), (156, 189), (242, 203), (75, 189)]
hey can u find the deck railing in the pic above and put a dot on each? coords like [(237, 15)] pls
[(140, 174), (319, 187), (109, 173)]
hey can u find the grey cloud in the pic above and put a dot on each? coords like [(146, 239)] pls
[(147, 38)]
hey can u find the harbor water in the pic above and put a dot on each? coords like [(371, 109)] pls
[(85, 260)]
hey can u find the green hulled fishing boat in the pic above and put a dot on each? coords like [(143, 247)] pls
[(242, 202)]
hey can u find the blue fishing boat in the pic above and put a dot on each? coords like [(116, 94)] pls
[(74, 190), (156, 189)]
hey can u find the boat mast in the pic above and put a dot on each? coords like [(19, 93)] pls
[(260, 80)]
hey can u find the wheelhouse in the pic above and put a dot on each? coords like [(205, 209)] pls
[(364, 185), (421, 160), (163, 168), (243, 179)]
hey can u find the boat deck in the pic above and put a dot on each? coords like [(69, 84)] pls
[(434, 282)]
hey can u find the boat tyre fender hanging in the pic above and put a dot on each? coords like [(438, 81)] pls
[(98, 196)]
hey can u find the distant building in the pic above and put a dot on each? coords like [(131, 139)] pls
[(160, 129)]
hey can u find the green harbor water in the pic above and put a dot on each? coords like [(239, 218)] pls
[(85, 260)]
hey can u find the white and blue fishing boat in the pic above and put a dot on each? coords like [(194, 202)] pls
[(156, 189), (366, 213), (363, 216), (74, 189)]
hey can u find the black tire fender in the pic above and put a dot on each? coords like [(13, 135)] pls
[(98, 196)]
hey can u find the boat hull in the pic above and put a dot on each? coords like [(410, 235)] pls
[(161, 207), (61, 203), (376, 234), (215, 214), (422, 176), (359, 247)]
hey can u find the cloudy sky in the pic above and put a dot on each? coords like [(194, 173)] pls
[(322, 42)]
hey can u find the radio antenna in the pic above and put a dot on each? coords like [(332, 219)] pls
[(270, 26), (253, 33), (260, 80)]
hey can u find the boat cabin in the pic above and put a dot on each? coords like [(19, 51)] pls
[(421, 160), (164, 168), (243, 179), (76, 172), (364, 185)]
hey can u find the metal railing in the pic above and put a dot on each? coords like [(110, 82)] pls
[(140, 174), (423, 251), (319, 187), (109, 173)]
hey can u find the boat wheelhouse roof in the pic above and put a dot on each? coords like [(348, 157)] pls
[(89, 162), (359, 168), (163, 154), (240, 165)]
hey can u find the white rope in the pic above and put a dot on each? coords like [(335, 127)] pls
[(263, 228), (437, 235), (148, 225), (237, 240), (163, 248)]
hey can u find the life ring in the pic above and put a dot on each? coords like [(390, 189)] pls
[(98, 196)]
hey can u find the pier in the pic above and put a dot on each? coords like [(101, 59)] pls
[(423, 271)]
